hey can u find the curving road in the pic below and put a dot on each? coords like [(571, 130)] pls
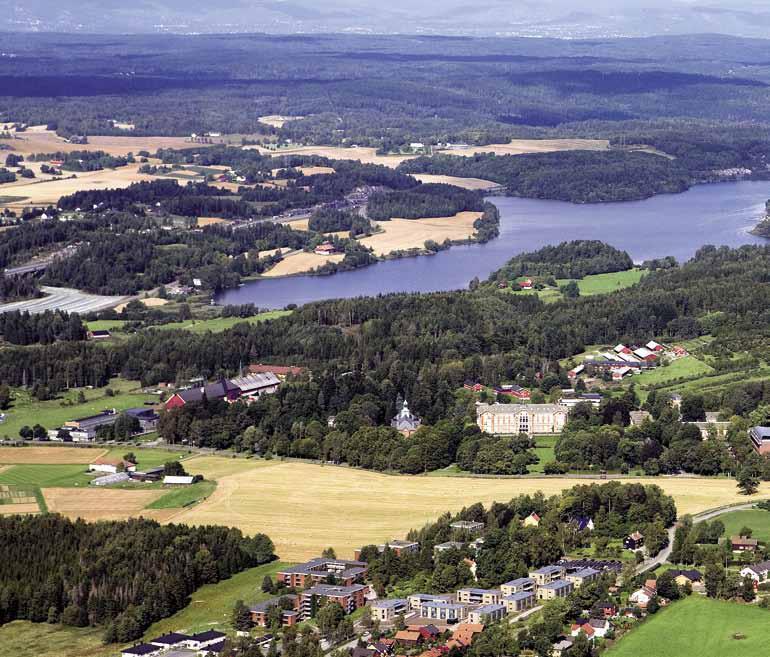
[(662, 556)]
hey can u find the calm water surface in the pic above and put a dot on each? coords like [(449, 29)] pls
[(674, 225)]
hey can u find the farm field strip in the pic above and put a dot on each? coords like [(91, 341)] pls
[(402, 234), (464, 183), (301, 503), (99, 503), (49, 455)]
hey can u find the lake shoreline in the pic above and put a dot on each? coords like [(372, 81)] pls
[(673, 224)]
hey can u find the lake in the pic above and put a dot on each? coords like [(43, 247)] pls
[(677, 225)]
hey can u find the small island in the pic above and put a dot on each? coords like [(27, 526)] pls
[(762, 229)]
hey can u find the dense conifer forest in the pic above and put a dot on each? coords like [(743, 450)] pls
[(121, 575)]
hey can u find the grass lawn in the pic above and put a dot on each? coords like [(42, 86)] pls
[(219, 324), (606, 283), (106, 324), (682, 367), (26, 410), (211, 606), (46, 476), (757, 519), (544, 449), (25, 639), (187, 496), (699, 626)]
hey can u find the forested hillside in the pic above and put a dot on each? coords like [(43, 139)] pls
[(122, 575)]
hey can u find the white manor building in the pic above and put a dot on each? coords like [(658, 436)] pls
[(509, 419)]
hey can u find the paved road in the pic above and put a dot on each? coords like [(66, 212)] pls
[(61, 298), (662, 556)]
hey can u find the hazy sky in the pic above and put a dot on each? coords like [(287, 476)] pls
[(489, 17)]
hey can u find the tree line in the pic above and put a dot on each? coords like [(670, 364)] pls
[(119, 575)]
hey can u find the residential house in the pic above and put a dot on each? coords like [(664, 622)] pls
[(321, 570), (532, 520), (760, 439), (518, 602), (561, 647), (585, 628), (622, 349), (559, 588), (429, 632), (526, 284), (386, 611), (111, 465), (478, 596), (408, 638), (655, 346), (547, 574), (604, 610), (463, 635), (686, 576), (641, 597), (510, 419), (600, 626), (324, 249), (583, 523), (470, 526), (475, 387), (487, 614), (584, 576), (633, 541), (522, 584), (743, 544), (759, 572), (405, 422)]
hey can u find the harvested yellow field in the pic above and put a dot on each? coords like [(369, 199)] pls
[(210, 221), (301, 262), (49, 455), (21, 509), (402, 234), (277, 120), (99, 503), (300, 224), (523, 146), (272, 252), (48, 192), (150, 302), (46, 141), (465, 183), (363, 154), (305, 507)]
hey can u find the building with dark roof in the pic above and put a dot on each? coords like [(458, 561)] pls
[(141, 650), (222, 389), (171, 640), (321, 569)]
